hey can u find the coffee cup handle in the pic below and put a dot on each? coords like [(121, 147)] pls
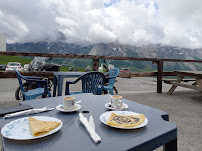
[(73, 103), (120, 103)]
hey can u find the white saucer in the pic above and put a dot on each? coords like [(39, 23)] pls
[(60, 108), (124, 106)]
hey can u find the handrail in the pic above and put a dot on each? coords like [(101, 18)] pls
[(75, 56), (93, 57), (159, 62)]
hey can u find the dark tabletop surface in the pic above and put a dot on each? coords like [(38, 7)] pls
[(69, 74), (74, 137), (59, 77)]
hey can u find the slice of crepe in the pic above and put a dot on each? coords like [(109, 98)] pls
[(39, 127), (125, 120)]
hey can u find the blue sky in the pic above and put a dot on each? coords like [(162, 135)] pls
[(110, 3)]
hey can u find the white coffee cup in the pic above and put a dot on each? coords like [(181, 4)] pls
[(69, 102), (116, 101)]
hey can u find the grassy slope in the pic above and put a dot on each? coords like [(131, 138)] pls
[(62, 68), (6, 59), (22, 60), (120, 64)]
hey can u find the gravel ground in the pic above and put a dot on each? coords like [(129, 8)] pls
[(184, 105)]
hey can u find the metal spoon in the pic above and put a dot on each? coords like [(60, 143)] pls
[(109, 105), (78, 102)]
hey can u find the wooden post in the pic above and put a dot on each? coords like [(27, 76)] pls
[(159, 76), (95, 64)]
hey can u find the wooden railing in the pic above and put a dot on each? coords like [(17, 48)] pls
[(159, 62)]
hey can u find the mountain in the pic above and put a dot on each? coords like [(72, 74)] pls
[(116, 49)]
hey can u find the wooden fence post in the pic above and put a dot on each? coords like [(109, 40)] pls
[(159, 76), (95, 64)]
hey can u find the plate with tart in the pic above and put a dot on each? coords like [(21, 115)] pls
[(31, 127), (124, 119)]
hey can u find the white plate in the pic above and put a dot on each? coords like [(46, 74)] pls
[(60, 108), (105, 116), (20, 130), (124, 106)]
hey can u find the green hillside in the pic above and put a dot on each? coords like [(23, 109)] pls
[(80, 64), (6, 59), (23, 60)]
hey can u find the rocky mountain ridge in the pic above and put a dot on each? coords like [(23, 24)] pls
[(116, 49)]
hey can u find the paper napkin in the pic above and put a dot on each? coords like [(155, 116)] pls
[(91, 122), (96, 138)]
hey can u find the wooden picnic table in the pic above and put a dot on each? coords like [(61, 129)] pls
[(182, 75)]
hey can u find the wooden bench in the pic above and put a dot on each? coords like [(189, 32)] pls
[(176, 82), (170, 81), (196, 77)]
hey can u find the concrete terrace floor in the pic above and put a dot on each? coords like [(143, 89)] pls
[(184, 106)]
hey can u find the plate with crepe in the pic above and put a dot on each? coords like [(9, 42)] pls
[(31, 127), (60, 108), (123, 107), (124, 119)]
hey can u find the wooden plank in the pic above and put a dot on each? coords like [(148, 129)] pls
[(169, 73), (95, 64), (159, 76), (186, 85), (125, 74), (184, 80), (12, 74), (76, 56), (94, 57), (167, 82), (141, 74), (199, 82), (7, 74), (197, 74), (181, 60), (172, 89)]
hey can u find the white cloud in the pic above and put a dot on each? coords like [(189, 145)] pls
[(182, 22), (93, 21), (1, 14), (98, 34)]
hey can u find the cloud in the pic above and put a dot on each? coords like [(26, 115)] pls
[(131, 22), (181, 22), (99, 34)]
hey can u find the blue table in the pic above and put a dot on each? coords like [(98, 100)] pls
[(59, 78), (74, 137)]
